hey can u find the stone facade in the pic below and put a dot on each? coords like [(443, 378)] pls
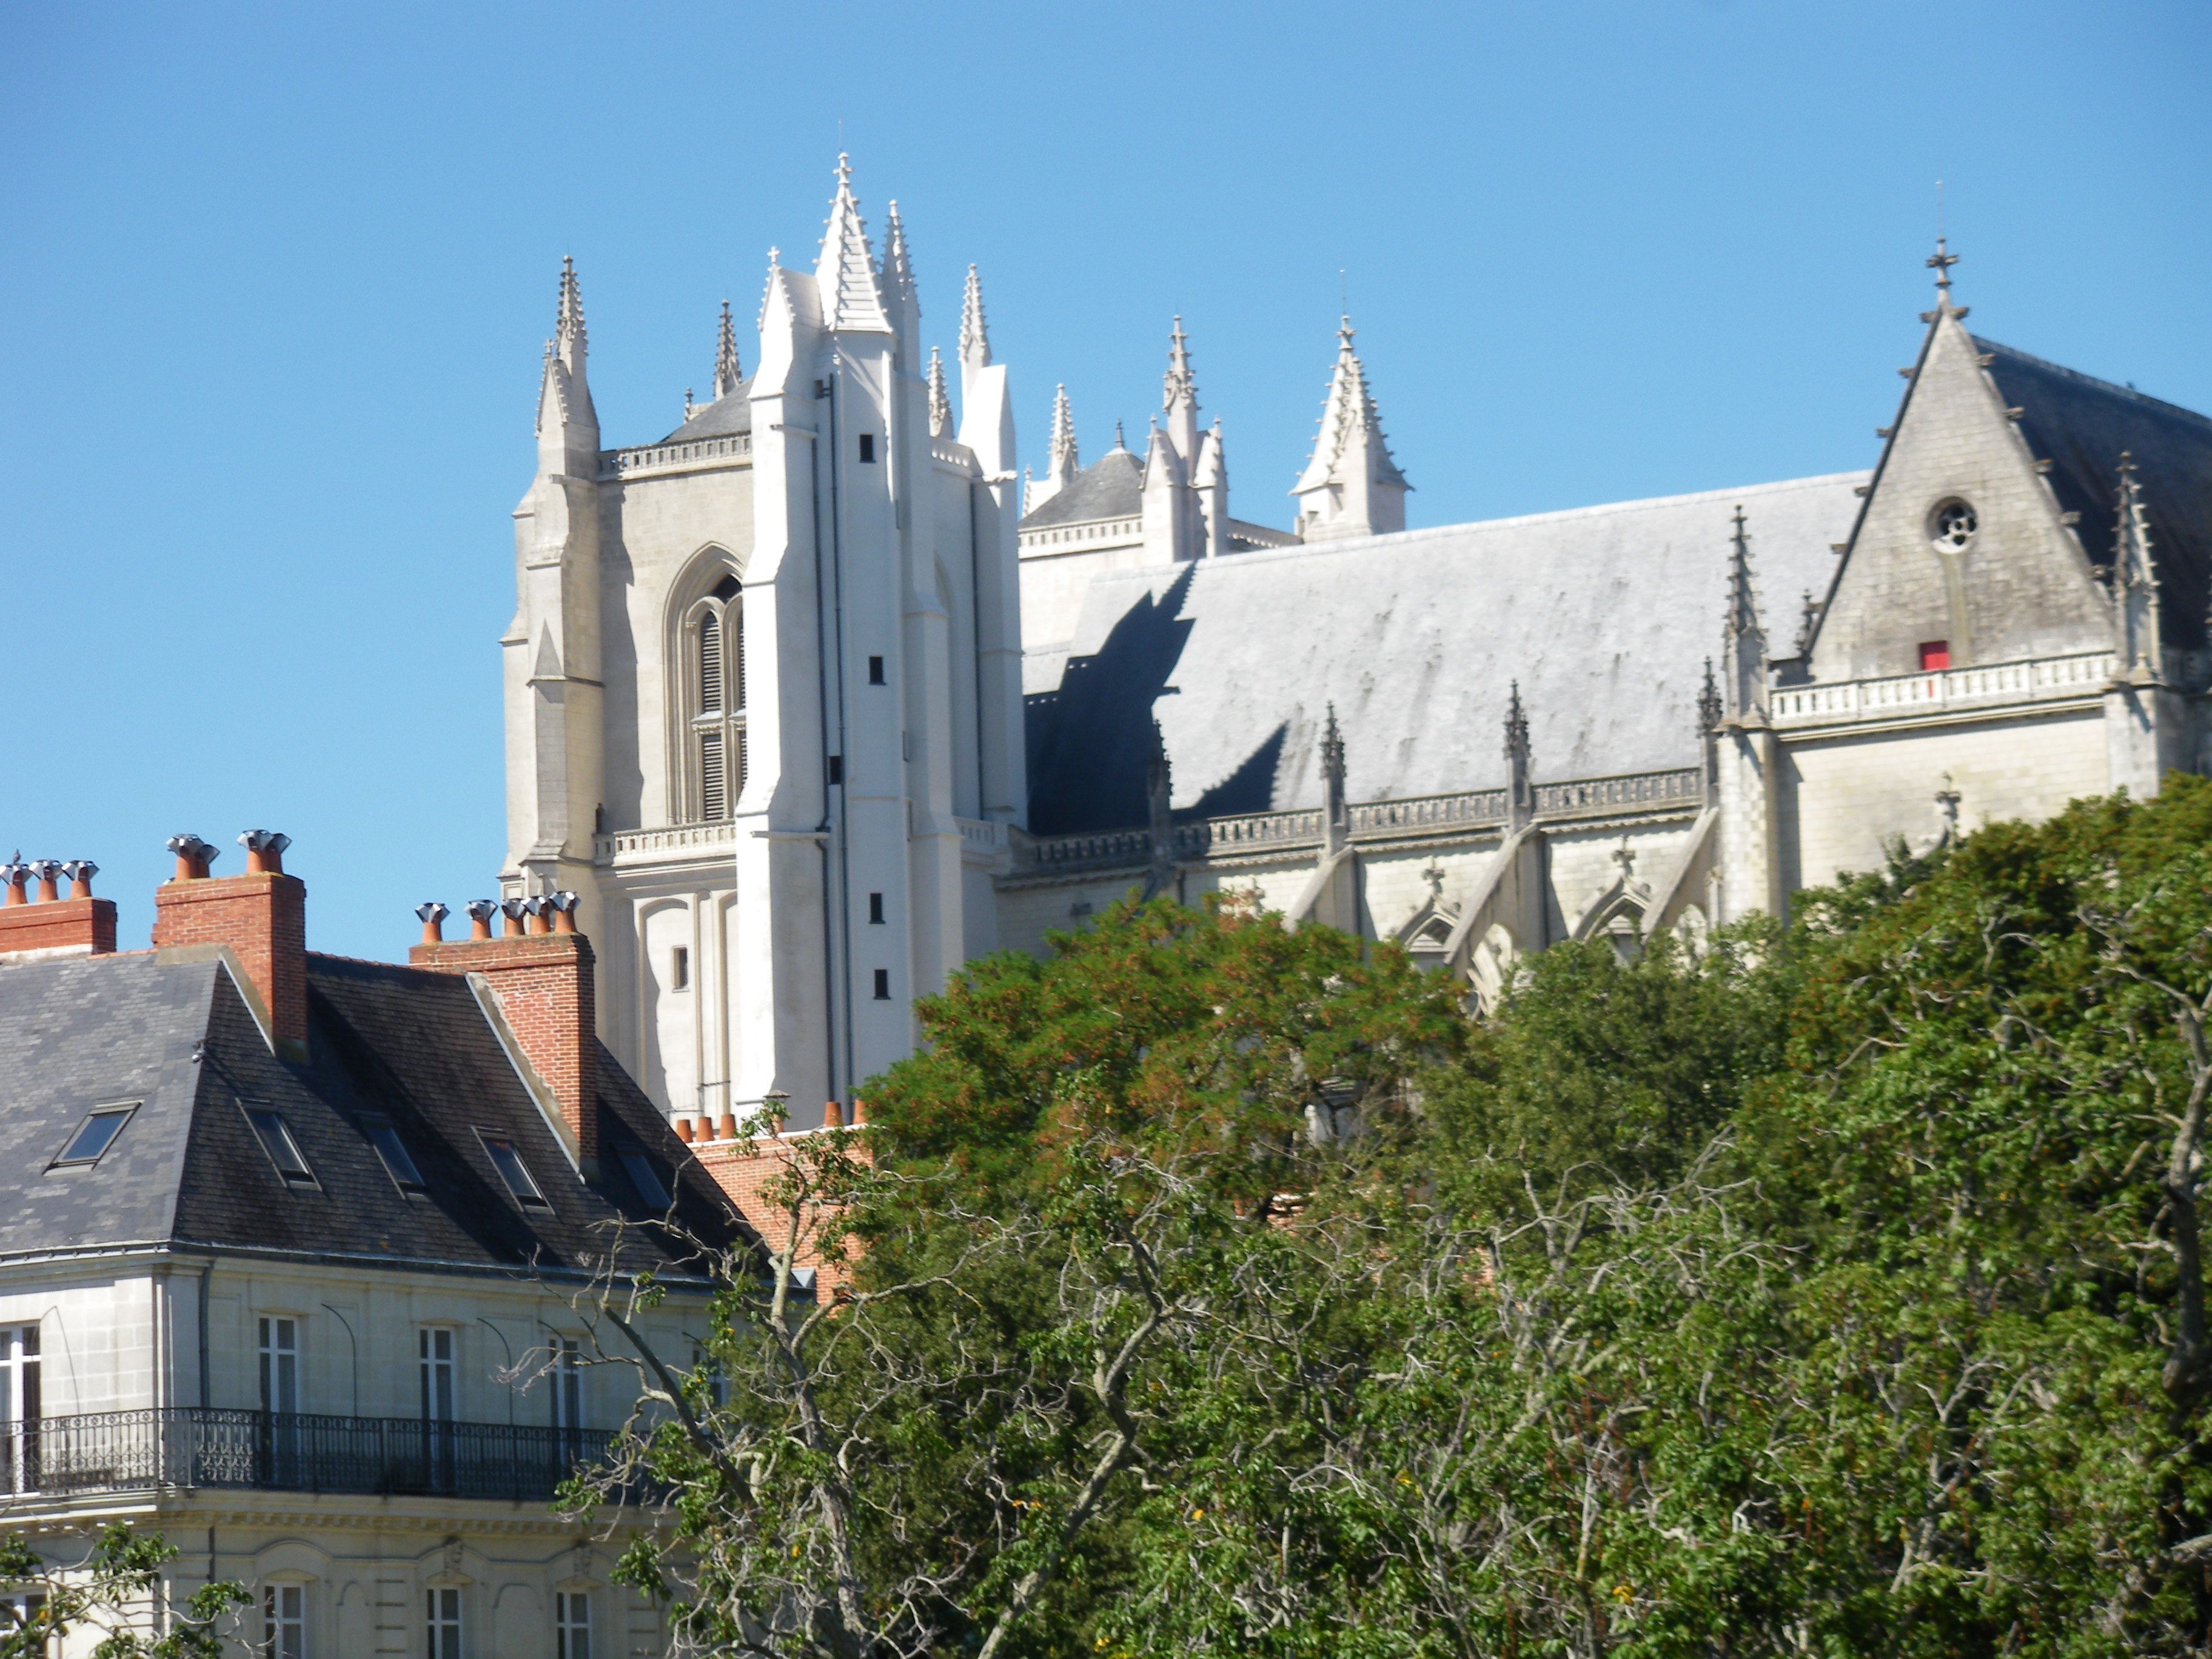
[(1970, 645)]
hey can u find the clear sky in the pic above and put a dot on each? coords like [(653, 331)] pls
[(274, 282)]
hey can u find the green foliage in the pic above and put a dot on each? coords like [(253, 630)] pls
[(1836, 1288), (121, 1568)]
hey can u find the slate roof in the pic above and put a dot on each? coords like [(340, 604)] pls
[(2080, 426), (1605, 615), (1111, 487), (403, 1043), (718, 419)]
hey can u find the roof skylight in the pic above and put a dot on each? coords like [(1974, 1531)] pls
[(397, 1164), (276, 1137), (644, 1176), (96, 1134), (513, 1171)]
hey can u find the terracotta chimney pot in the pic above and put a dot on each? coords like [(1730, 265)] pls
[(480, 913), (48, 871), (684, 1132), (833, 1115), (433, 916), (264, 852), (563, 907), (511, 909), (15, 877), (79, 872), (193, 857)]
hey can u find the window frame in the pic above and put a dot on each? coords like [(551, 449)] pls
[(711, 716), (572, 1619), (275, 1618), (22, 1406), (375, 1128), (123, 1110), (254, 1112), (638, 1166), (535, 1199), (442, 1611)]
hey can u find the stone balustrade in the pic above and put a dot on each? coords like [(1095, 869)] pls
[(647, 459), (675, 842), (1900, 696)]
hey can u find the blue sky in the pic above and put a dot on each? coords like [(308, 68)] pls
[(274, 280)]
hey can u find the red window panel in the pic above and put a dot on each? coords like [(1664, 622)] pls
[(1935, 653)]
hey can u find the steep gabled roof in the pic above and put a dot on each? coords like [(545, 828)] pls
[(2080, 426), (1605, 615), (402, 1044), (1112, 487), (731, 413)]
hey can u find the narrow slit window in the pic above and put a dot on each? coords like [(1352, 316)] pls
[(393, 1151), (875, 670), (513, 1171), (876, 909), (883, 985), (95, 1135), (713, 737), (276, 1137), (679, 968), (868, 448)]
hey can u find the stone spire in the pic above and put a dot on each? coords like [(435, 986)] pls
[(940, 403), (1710, 712), (727, 378), (974, 333), (1336, 813), (1941, 261), (1351, 486), (845, 274), (2135, 582), (1743, 641), (1209, 482), (1061, 464), (568, 425), (1179, 398), (900, 299), (1520, 793), (1060, 453)]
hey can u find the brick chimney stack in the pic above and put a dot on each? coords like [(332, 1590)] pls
[(544, 982), (52, 926), (262, 915)]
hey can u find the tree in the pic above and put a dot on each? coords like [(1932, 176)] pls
[(1054, 1197), (119, 1567)]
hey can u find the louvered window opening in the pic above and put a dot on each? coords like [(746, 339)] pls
[(717, 692)]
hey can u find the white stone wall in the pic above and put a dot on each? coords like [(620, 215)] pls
[(1849, 794)]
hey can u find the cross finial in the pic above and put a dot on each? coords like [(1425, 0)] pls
[(1625, 856), (1941, 261)]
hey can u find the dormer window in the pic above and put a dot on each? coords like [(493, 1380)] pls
[(276, 1137), (714, 690)]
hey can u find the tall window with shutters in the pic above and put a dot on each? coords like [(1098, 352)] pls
[(714, 688)]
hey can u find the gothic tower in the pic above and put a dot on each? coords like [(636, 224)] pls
[(763, 693)]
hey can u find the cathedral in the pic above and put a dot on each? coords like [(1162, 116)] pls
[(822, 695)]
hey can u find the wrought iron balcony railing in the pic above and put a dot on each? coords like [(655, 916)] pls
[(192, 1446)]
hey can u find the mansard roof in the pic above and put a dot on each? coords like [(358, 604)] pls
[(1111, 487), (1605, 615), (2080, 426), (731, 413), (174, 1037)]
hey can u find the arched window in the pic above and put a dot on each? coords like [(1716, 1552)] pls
[(714, 687)]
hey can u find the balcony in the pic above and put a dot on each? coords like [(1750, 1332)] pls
[(184, 1447)]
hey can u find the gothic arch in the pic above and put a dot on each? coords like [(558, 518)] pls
[(1492, 964), (703, 652)]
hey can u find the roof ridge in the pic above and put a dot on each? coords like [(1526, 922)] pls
[(2127, 392)]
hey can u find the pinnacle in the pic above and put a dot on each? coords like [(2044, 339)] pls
[(974, 331), (726, 374), (940, 404), (1061, 447), (898, 264), (568, 325), (846, 271), (1179, 382), (1941, 261)]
